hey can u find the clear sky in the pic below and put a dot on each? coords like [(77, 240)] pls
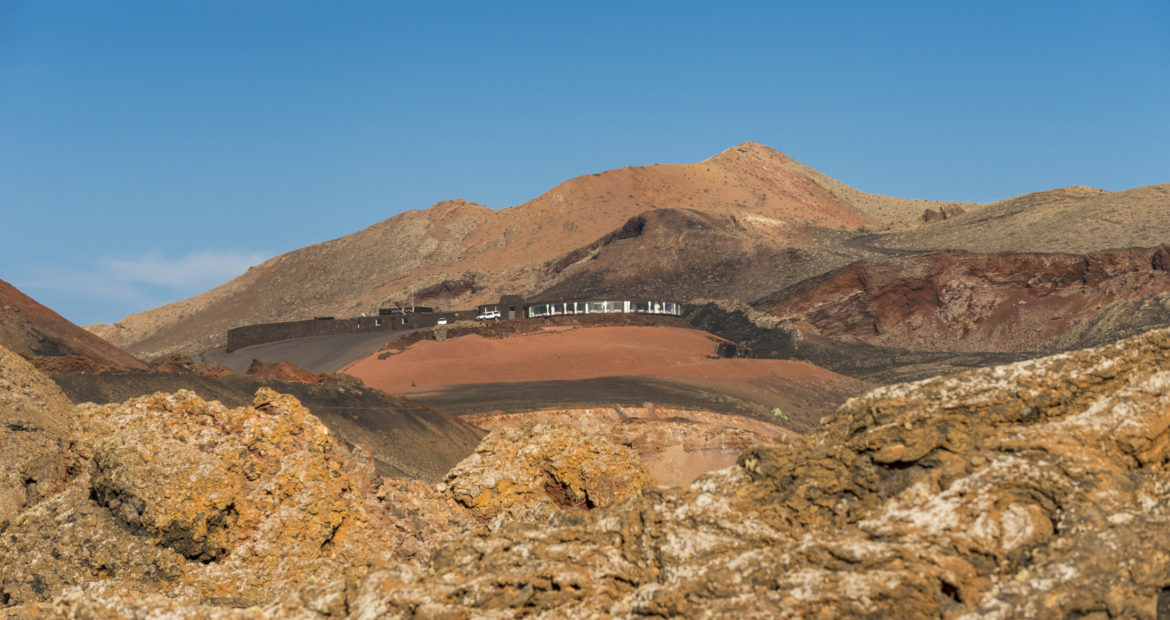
[(152, 150)]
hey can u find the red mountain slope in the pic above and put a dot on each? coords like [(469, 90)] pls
[(51, 342)]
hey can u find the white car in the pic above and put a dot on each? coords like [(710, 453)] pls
[(442, 321), (490, 314)]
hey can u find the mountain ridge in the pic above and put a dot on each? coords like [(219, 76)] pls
[(1074, 219), (495, 252)]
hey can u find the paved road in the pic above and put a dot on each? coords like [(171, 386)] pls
[(318, 354)]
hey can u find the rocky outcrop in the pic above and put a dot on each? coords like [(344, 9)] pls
[(676, 445), (33, 425), (967, 302), (944, 212), (69, 541), (511, 478), (282, 371), (1031, 490), (181, 504), (191, 499)]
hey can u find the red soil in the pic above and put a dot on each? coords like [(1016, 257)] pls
[(566, 354), (282, 371)]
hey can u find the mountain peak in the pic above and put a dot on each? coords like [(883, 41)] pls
[(753, 150), (457, 205)]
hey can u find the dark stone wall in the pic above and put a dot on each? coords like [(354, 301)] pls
[(249, 335)]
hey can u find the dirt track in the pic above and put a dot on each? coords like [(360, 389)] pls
[(865, 243), (318, 354)]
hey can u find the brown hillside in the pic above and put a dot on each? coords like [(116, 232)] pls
[(1070, 219), (51, 342), (969, 302), (685, 254), (456, 254)]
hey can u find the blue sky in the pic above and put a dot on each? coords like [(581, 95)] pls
[(152, 150)]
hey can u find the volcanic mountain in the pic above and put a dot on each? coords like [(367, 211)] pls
[(749, 202), (51, 342)]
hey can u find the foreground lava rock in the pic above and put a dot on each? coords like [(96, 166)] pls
[(178, 504), (1038, 489), (512, 478), (32, 428), (188, 498)]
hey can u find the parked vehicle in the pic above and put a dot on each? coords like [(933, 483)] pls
[(489, 315), (442, 321)]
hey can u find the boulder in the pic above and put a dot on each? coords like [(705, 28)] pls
[(529, 472), (190, 499), (71, 540), (944, 212)]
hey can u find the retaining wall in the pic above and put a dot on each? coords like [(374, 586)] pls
[(250, 335)]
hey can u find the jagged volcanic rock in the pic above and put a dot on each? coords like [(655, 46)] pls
[(189, 498), (1034, 490), (33, 425), (509, 479), (179, 502)]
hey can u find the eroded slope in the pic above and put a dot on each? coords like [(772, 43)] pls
[(969, 302), (51, 342)]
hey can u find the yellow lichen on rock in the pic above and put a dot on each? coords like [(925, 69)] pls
[(33, 414), (1036, 489), (529, 472), (255, 499)]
